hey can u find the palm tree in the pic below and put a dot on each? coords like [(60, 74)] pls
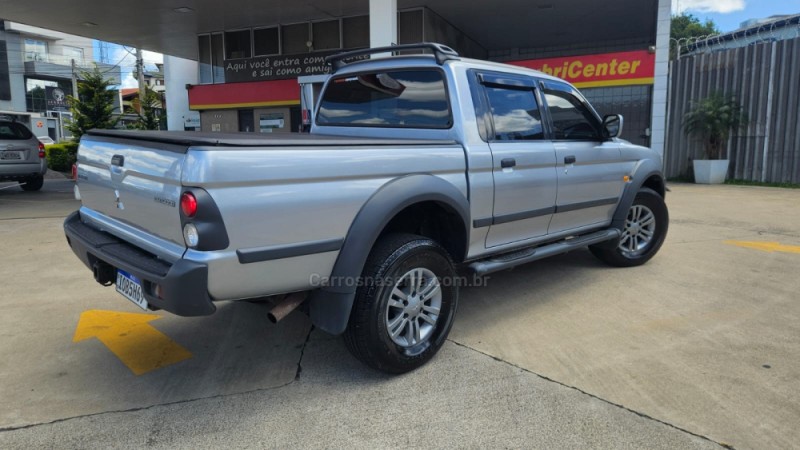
[(712, 119)]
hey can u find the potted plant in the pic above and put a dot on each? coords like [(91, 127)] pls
[(713, 119)]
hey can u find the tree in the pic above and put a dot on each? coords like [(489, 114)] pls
[(94, 107), (685, 26), (150, 111), (712, 119)]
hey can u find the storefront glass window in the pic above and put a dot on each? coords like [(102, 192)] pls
[(326, 34), (237, 44), (294, 38), (355, 32), (269, 122), (217, 58), (204, 59), (266, 41)]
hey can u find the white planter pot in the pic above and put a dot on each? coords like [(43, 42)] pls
[(710, 171)]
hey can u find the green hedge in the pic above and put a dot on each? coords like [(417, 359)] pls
[(61, 157)]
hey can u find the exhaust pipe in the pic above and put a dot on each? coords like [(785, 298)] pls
[(285, 306), (103, 273)]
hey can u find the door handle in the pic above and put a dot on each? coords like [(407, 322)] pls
[(508, 162), (569, 159)]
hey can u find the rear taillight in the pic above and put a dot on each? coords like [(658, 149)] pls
[(41, 151), (75, 172), (188, 204)]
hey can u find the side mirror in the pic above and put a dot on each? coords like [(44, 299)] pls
[(612, 125)]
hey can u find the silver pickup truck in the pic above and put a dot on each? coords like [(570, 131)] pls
[(420, 171)]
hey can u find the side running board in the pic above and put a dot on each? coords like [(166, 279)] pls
[(509, 260)]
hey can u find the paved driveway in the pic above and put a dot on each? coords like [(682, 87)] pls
[(699, 347)]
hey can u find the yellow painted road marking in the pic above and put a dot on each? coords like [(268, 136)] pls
[(766, 246), (131, 338)]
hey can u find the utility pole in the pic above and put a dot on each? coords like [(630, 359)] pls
[(140, 75), (74, 80)]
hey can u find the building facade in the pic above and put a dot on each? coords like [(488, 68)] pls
[(235, 66), (36, 73)]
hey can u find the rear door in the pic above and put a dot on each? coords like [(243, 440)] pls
[(524, 162), (135, 182), (590, 169)]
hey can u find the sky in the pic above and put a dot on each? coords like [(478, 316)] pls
[(729, 14), (124, 57)]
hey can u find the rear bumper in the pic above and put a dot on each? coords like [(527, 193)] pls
[(184, 284), (18, 171)]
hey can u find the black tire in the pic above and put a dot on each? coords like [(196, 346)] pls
[(32, 184), (616, 256), (367, 335)]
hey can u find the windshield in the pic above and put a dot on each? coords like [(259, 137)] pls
[(14, 131), (400, 99)]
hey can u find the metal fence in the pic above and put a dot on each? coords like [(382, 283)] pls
[(765, 79)]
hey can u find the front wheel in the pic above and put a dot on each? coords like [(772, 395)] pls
[(645, 230), (405, 305)]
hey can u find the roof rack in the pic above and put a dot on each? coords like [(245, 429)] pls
[(441, 52)]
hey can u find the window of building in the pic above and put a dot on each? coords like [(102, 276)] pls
[(71, 53), (398, 99), (5, 79), (355, 32), (294, 38), (266, 41), (409, 26), (35, 50), (515, 114), (238, 44), (326, 35), (267, 123), (217, 58), (572, 118), (204, 59)]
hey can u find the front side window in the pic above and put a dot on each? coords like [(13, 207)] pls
[(572, 119), (515, 114), (399, 99)]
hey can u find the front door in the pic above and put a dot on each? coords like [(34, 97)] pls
[(590, 169)]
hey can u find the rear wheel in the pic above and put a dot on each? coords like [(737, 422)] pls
[(405, 307), (645, 230), (32, 184)]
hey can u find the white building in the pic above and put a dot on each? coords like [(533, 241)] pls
[(36, 71)]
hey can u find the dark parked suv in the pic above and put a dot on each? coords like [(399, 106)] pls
[(22, 156)]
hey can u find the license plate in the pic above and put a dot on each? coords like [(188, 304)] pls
[(131, 288), (10, 155)]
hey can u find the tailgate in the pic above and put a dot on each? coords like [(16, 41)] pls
[(135, 182)]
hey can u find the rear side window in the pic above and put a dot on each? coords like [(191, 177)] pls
[(515, 114), (14, 131), (572, 118), (398, 99)]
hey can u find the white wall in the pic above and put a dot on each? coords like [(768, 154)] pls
[(178, 72), (659, 114), (382, 23), (16, 69)]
